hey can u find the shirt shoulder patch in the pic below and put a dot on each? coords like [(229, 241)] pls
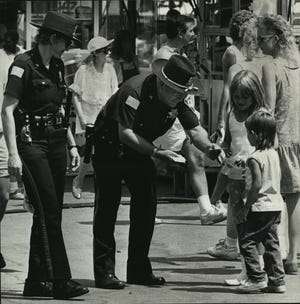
[(189, 101), (132, 102), (17, 71)]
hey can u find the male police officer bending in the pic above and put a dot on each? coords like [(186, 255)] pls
[(143, 109)]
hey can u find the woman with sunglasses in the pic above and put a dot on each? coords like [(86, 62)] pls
[(281, 80), (32, 110), (95, 81)]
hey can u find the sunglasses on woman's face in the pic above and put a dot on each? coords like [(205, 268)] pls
[(105, 50), (263, 38)]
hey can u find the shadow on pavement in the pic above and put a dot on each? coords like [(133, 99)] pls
[(118, 223), (7, 270), (19, 296), (185, 283), (206, 290), (180, 218), (208, 271), (172, 261), (176, 223)]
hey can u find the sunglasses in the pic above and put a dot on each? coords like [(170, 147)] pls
[(263, 38), (105, 50), (68, 43)]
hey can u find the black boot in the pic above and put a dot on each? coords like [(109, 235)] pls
[(67, 289), (110, 281), (145, 279), (37, 289)]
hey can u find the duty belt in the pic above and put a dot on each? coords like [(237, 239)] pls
[(30, 124), (50, 119)]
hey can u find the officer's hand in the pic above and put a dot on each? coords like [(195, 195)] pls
[(15, 166), (218, 136), (166, 155), (214, 151), (75, 159)]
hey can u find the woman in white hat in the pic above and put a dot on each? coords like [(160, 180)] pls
[(95, 81)]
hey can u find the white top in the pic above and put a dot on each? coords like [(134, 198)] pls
[(255, 65), (165, 52), (94, 89), (5, 62), (233, 50), (269, 197), (240, 148)]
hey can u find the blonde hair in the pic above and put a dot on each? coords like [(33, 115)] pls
[(248, 33), (249, 84), (286, 40)]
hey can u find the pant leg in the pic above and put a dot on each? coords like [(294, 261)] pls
[(140, 178), (272, 255), (108, 186), (57, 157), (249, 235), (36, 157)]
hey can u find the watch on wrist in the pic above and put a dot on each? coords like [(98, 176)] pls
[(70, 147), (154, 152)]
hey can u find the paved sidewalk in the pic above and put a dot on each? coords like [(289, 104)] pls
[(178, 252), (164, 190)]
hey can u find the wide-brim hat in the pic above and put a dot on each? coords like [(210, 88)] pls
[(98, 43), (175, 72), (60, 23)]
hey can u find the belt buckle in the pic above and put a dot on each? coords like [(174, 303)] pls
[(48, 120), (58, 120)]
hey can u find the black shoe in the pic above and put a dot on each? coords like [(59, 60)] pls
[(110, 281), (2, 261), (66, 289), (37, 289), (148, 280)]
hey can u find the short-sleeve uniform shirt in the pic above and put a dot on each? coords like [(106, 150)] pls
[(136, 106), (40, 90)]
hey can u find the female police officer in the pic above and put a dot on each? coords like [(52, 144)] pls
[(34, 94), (143, 109)]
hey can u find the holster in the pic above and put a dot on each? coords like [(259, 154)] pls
[(106, 133), (89, 143), (29, 125)]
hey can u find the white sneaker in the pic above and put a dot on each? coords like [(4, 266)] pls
[(215, 215), (17, 195), (234, 282), (252, 287), (239, 280), (157, 220), (223, 252), (222, 207)]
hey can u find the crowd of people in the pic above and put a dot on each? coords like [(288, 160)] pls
[(257, 141)]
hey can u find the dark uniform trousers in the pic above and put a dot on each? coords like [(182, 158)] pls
[(139, 173), (46, 159)]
